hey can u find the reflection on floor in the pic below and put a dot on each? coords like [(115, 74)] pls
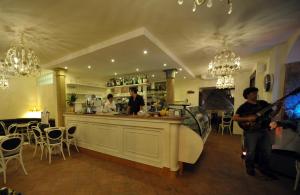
[(219, 171)]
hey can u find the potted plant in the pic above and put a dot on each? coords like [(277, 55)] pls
[(71, 101)]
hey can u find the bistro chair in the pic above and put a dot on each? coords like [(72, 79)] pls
[(39, 139), (11, 148), (12, 129), (29, 132), (69, 138), (54, 139), (226, 123), (3, 130)]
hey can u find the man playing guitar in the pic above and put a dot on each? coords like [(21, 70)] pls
[(256, 131)]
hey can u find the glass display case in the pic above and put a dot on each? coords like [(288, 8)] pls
[(196, 118)]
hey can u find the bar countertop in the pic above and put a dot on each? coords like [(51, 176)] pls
[(115, 115)]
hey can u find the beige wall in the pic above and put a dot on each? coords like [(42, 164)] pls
[(23, 95), (184, 85), (46, 98), (19, 98)]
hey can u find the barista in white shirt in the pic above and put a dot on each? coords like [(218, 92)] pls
[(110, 105)]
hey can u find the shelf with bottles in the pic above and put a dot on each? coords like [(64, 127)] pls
[(132, 85), (151, 92), (83, 85), (128, 80)]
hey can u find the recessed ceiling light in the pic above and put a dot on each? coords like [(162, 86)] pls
[(145, 52), (89, 67), (180, 69), (153, 76), (137, 69), (66, 67), (112, 60), (116, 74), (176, 72), (120, 78), (165, 65)]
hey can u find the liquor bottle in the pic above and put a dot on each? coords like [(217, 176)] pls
[(145, 79), (140, 79)]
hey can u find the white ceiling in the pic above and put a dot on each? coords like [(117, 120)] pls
[(59, 28), (128, 54)]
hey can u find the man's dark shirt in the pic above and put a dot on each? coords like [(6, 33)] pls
[(249, 109), (136, 104)]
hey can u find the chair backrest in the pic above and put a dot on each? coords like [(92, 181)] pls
[(12, 129), (32, 124), (38, 135), (54, 135), (11, 143), (3, 130), (226, 120), (71, 130), (43, 126)]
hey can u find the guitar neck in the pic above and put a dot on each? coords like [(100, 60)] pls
[(266, 109)]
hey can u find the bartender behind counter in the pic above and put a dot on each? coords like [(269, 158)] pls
[(110, 105), (136, 102)]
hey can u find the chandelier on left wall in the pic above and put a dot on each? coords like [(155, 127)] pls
[(18, 61)]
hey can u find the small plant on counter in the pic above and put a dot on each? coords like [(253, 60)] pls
[(71, 99)]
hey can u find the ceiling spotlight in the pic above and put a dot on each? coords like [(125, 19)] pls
[(89, 67), (112, 60), (66, 67), (137, 69), (116, 74), (180, 69), (145, 52), (153, 76), (165, 65)]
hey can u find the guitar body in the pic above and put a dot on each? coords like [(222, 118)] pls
[(260, 123)]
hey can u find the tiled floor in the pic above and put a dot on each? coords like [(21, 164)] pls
[(219, 171)]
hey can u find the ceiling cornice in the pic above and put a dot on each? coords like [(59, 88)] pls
[(119, 39)]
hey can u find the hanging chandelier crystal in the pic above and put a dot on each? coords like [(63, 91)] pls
[(225, 82), (21, 61), (224, 63), (209, 4), (3, 82)]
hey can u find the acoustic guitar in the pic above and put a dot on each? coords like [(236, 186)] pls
[(263, 115)]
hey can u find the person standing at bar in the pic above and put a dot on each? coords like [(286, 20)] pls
[(110, 105), (136, 102)]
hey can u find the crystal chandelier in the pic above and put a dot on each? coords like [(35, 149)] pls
[(21, 61), (209, 4), (225, 82), (224, 63)]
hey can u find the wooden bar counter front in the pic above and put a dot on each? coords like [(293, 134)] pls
[(151, 141)]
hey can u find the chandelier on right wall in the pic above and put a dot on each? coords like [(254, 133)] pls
[(223, 65)]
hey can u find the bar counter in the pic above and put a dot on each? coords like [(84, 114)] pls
[(161, 142)]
